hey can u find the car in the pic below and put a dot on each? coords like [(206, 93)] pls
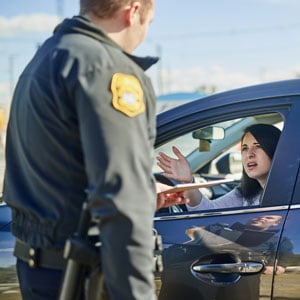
[(204, 255), (9, 288), (210, 254)]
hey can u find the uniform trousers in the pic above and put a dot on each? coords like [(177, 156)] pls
[(38, 283), (44, 283)]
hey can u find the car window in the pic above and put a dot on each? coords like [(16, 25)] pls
[(187, 144), (214, 159)]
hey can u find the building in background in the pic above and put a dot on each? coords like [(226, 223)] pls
[(3, 125)]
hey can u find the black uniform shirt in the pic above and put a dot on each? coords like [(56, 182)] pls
[(82, 125)]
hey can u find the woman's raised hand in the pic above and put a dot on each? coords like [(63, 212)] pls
[(178, 169)]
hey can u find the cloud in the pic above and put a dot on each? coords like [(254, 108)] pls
[(36, 23), (189, 80)]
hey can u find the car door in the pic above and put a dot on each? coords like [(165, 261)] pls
[(9, 286), (286, 284), (212, 254)]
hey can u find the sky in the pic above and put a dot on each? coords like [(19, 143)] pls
[(202, 44)]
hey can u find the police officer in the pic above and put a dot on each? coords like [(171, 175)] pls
[(82, 126)]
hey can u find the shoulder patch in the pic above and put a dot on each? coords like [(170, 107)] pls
[(128, 96)]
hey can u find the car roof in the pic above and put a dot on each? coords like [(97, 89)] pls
[(214, 107), (284, 88)]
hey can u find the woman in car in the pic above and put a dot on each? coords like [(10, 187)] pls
[(258, 145)]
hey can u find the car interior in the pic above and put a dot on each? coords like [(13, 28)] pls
[(213, 153)]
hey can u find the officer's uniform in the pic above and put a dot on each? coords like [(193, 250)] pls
[(82, 126)]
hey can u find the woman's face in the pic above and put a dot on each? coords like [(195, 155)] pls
[(255, 161)]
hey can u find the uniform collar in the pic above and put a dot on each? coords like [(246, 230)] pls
[(79, 24)]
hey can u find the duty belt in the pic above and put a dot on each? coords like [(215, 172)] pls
[(39, 257)]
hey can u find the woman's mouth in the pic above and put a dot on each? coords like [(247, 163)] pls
[(251, 165)]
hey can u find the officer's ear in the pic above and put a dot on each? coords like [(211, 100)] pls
[(132, 13)]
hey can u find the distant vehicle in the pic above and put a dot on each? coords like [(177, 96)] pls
[(211, 254), (8, 277)]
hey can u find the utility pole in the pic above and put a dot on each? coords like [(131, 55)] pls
[(11, 60), (60, 8), (160, 80)]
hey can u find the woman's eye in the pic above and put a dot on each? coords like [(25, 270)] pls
[(257, 146)]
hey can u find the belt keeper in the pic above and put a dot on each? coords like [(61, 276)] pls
[(33, 261)]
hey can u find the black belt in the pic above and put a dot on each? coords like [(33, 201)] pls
[(39, 257)]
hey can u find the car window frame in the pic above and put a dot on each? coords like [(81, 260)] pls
[(280, 105)]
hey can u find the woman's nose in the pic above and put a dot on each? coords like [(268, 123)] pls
[(251, 152)]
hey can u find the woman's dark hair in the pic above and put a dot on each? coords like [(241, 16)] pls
[(267, 136)]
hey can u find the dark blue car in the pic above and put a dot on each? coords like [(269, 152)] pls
[(212, 254)]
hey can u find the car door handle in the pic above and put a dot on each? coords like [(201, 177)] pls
[(240, 267)]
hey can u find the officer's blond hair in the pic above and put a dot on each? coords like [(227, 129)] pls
[(107, 8)]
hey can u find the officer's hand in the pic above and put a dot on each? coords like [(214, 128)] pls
[(165, 199)]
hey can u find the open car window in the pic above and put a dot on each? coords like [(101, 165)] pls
[(216, 158)]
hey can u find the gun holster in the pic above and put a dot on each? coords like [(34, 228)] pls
[(83, 275)]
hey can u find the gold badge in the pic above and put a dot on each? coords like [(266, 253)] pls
[(128, 96)]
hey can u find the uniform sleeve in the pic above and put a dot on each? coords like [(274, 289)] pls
[(117, 147)]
